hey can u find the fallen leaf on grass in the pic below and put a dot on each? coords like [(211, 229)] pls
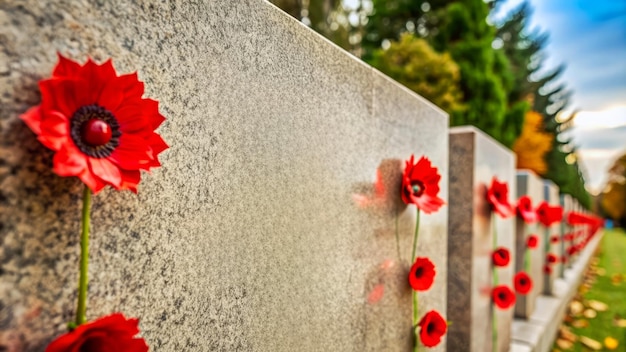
[(601, 272), (567, 334), (576, 307), (616, 279), (591, 343), (564, 344), (610, 343), (597, 305), (620, 323), (590, 313), (580, 323)]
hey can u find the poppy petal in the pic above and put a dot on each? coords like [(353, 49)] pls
[(69, 161), (32, 118), (106, 170), (130, 179), (65, 67)]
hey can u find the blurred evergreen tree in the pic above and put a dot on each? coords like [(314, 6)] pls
[(412, 62), (524, 51), (459, 28), (613, 198)]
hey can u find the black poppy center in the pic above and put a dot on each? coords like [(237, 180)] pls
[(95, 131), (417, 187), (419, 272), (523, 281), (430, 328), (502, 296)]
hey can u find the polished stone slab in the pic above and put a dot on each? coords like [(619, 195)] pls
[(567, 204), (551, 195), (526, 259), (475, 159), (249, 237)]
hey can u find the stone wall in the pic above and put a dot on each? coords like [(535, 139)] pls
[(248, 238)]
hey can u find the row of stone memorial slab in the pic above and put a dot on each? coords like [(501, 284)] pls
[(542, 249)]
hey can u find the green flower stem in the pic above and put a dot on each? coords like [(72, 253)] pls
[(84, 260), (415, 301), (398, 238), (417, 226), (527, 260), (494, 324)]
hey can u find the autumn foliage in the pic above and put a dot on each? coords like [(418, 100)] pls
[(533, 144)]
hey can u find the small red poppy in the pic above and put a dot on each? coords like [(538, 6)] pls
[(501, 257), (498, 197), (422, 274), (532, 241), (432, 327), (568, 237), (552, 258), (108, 334), (547, 269), (420, 185), (503, 297), (523, 283), (576, 218), (525, 210), (555, 239), (571, 250), (549, 215), (98, 124)]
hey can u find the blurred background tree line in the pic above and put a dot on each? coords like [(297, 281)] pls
[(490, 75), (612, 200)]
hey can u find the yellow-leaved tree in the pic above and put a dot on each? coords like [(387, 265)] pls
[(533, 144)]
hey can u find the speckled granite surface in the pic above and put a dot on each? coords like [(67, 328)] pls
[(474, 159), (248, 238)]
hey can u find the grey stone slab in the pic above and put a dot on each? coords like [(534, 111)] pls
[(551, 195), (547, 308), (527, 333), (520, 347), (568, 206), (474, 160), (526, 259), (248, 237)]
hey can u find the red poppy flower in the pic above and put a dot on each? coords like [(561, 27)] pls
[(576, 218), (523, 283), (552, 258), (571, 250), (420, 185), (422, 274), (432, 328), (568, 237), (503, 297), (549, 215), (498, 197), (525, 210), (555, 239), (98, 124), (547, 269), (113, 333), (501, 257), (532, 241)]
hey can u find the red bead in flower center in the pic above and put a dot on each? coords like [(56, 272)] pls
[(96, 132)]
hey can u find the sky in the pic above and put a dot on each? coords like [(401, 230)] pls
[(589, 37)]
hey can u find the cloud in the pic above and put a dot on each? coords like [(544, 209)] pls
[(590, 39)]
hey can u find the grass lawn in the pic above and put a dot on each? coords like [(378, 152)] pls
[(598, 311)]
